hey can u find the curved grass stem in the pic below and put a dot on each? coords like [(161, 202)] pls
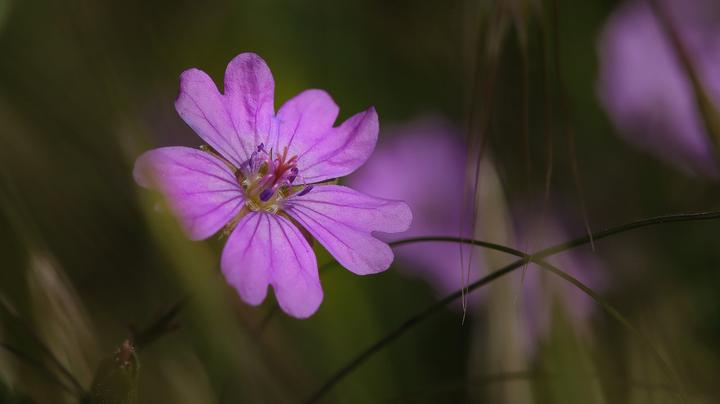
[(536, 257)]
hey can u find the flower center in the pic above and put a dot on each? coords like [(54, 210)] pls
[(269, 178)]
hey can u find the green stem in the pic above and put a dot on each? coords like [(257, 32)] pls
[(451, 239), (164, 324)]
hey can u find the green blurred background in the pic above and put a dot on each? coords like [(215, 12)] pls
[(85, 86)]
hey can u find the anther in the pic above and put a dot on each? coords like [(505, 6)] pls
[(266, 194), (305, 190), (293, 174)]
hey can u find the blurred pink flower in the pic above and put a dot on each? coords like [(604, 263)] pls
[(423, 163), (261, 177), (644, 89), (543, 291)]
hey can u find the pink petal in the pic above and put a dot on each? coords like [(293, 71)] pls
[(343, 220), (268, 249), (303, 121), (249, 92), (202, 107), (201, 190), (338, 151)]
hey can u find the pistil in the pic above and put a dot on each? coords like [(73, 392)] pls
[(268, 178)]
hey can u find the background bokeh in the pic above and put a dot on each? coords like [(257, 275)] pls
[(87, 256)]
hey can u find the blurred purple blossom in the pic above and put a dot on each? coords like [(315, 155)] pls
[(644, 89), (543, 291), (261, 177), (423, 163)]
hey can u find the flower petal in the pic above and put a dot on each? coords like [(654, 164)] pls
[(202, 107), (249, 93), (201, 190), (338, 151), (303, 120), (267, 249), (343, 220)]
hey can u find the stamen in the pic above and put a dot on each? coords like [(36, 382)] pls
[(266, 194), (250, 163), (305, 190), (293, 174), (267, 177)]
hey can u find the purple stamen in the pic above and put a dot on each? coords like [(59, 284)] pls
[(250, 163), (266, 194), (278, 172), (293, 174), (305, 190)]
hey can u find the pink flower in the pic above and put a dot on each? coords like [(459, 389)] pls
[(423, 163), (261, 180), (645, 90), (542, 292)]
